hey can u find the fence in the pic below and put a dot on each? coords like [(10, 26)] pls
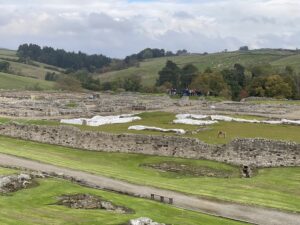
[(162, 199)]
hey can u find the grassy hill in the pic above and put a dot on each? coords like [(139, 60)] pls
[(25, 76), (35, 70), (9, 81), (148, 69)]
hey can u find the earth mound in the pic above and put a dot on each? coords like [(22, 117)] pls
[(87, 201), (192, 170)]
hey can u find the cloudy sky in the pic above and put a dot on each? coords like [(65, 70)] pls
[(121, 27)]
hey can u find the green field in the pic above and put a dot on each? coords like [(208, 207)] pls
[(7, 171), (9, 81), (148, 69), (38, 70), (164, 120), (37, 206), (292, 60), (233, 129), (272, 187)]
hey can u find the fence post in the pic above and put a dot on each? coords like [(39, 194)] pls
[(171, 201), (152, 196), (162, 198)]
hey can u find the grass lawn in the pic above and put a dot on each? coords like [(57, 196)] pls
[(37, 206), (164, 120), (275, 187), (9, 81), (232, 129), (6, 171)]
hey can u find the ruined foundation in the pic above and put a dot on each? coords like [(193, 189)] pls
[(254, 152)]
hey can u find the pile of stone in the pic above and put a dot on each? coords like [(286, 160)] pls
[(144, 221), (14, 183), (87, 201)]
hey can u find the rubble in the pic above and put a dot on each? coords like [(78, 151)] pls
[(14, 183), (144, 221), (88, 201)]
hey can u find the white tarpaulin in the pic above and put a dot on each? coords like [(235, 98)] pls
[(195, 122), (102, 120), (140, 127), (195, 119)]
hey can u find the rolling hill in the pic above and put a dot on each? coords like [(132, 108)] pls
[(9, 81), (25, 76), (149, 69), (34, 70)]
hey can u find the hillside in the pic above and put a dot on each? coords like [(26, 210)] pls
[(35, 70), (9, 81), (25, 76), (148, 69)]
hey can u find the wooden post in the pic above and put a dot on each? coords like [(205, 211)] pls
[(162, 198), (152, 196), (171, 201)]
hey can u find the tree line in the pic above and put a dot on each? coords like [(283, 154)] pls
[(62, 58), (235, 83), (92, 63)]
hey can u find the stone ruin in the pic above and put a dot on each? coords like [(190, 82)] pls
[(63, 104), (257, 152), (88, 201), (143, 221), (14, 183)]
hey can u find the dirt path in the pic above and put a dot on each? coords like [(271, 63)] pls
[(255, 215)]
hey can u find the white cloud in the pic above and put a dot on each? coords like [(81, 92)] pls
[(118, 28)]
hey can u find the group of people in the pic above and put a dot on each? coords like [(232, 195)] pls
[(184, 92)]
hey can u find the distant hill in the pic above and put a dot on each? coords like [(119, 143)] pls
[(25, 76), (148, 69), (34, 69)]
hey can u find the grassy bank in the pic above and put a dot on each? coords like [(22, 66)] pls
[(9, 81), (276, 187), (37, 206), (6, 171)]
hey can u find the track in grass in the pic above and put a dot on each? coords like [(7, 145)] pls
[(272, 187)]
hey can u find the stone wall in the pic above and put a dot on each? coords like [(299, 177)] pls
[(258, 152)]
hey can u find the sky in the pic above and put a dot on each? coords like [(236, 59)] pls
[(118, 28)]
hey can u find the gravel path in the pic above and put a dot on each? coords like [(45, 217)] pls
[(251, 214)]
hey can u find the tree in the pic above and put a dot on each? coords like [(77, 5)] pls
[(261, 70), (4, 66), (132, 83), (61, 58), (170, 73), (276, 87), (188, 73), (51, 76), (211, 84), (236, 79), (244, 48), (257, 87), (68, 83)]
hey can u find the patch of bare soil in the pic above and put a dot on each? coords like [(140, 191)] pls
[(87, 201), (191, 170)]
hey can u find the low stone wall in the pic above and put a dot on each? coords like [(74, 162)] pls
[(258, 152)]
